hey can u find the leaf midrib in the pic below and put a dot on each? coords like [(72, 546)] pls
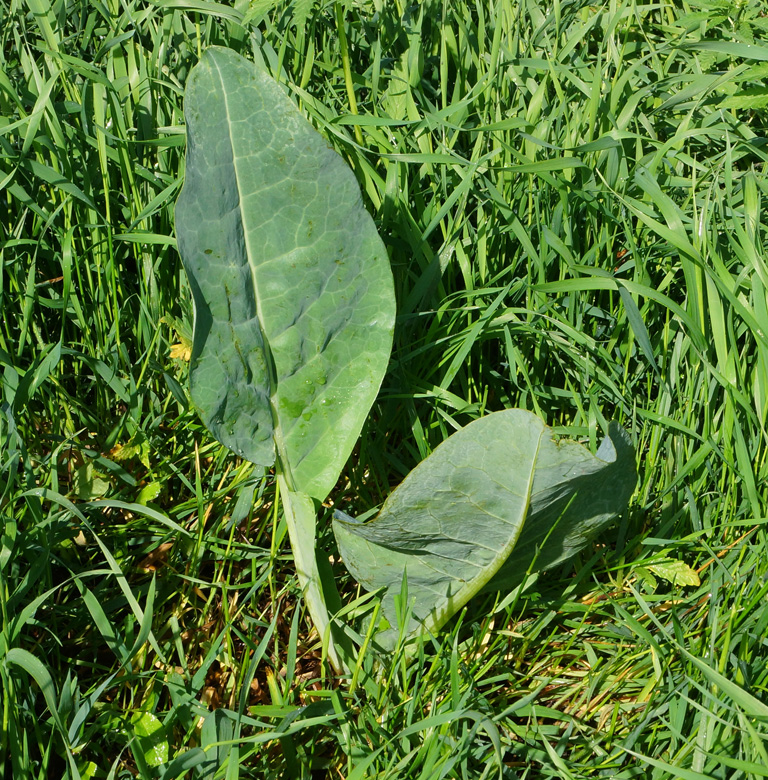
[(277, 433), (443, 612)]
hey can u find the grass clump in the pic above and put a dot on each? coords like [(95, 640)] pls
[(572, 197)]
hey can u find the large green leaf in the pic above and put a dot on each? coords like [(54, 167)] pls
[(293, 294), (475, 512)]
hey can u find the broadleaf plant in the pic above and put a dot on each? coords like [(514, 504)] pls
[(294, 311)]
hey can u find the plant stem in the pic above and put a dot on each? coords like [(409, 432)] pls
[(301, 520)]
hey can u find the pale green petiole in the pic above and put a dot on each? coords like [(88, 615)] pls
[(300, 517)]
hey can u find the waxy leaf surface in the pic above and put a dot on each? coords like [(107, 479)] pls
[(477, 510), (293, 295)]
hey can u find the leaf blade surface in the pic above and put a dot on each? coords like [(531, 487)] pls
[(293, 295), (575, 496)]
